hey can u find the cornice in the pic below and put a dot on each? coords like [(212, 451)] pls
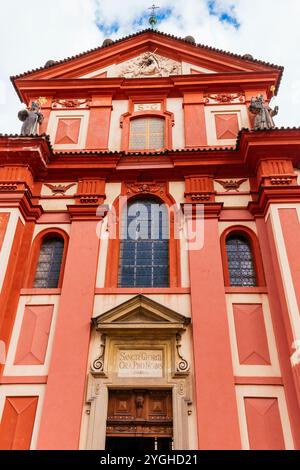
[(123, 87), (31, 151), (151, 33), (269, 195), (89, 211), (251, 148), (21, 199)]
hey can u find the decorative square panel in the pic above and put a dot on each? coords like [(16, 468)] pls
[(34, 335), (227, 126), (68, 131), (17, 422), (251, 334), (264, 423), (264, 418)]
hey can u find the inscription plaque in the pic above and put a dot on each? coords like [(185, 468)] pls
[(140, 363), (147, 106)]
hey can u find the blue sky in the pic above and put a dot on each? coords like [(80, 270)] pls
[(224, 15), (267, 29)]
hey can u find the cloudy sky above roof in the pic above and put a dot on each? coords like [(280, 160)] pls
[(56, 29)]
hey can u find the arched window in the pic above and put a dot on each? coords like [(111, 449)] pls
[(144, 248), (147, 133), (241, 266), (49, 263)]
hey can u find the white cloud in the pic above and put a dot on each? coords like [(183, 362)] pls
[(35, 31)]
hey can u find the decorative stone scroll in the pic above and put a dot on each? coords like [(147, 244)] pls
[(182, 366), (98, 364)]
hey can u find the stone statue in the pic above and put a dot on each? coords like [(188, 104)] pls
[(263, 113), (31, 117)]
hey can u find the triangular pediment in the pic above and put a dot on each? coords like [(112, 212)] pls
[(140, 311), (148, 54)]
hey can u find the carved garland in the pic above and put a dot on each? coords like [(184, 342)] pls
[(140, 188), (224, 98), (70, 103)]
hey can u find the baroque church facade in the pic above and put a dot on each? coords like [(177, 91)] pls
[(150, 342)]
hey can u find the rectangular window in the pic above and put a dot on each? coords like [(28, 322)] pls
[(147, 133)]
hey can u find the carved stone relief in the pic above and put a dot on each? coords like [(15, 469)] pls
[(70, 103), (231, 185), (149, 65), (224, 98), (59, 189)]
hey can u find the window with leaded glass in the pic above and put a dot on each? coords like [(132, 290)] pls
[(147, 133), (144, 248), (240, 261), (49, 263)]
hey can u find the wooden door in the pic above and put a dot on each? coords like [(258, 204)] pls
[(140, 413)]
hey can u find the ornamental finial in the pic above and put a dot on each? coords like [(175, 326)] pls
[(153, 17)]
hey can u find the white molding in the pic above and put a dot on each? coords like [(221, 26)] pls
[(212, 111), (241, 370), (286, 275), (14, 217), (10, 368), (82, 114)]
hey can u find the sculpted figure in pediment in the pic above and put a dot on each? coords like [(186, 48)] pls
[(148, 65)]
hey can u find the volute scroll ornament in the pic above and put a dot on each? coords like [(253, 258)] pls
[(98, 364), (182, 365)]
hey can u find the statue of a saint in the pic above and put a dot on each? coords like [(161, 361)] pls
[(263, 113), (31, 117)]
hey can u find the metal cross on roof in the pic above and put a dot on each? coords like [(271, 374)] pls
[(153, 17)]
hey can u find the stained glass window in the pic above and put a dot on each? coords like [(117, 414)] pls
[(147, 133), (240, 261), (49, 263), (144, 250)]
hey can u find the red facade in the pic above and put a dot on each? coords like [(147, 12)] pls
[(208, 358)]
